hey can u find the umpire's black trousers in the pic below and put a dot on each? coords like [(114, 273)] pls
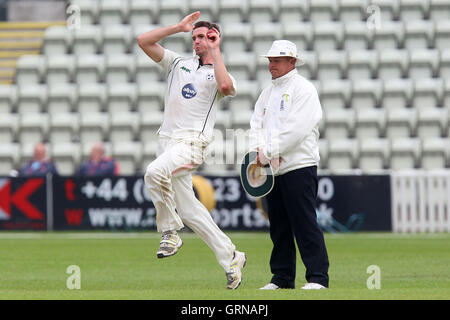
[(292, 215)]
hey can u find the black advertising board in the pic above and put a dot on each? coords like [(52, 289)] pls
[(122, 203), (234, 208), (111, 203), (345, 203), (23, 203), (354, 203)]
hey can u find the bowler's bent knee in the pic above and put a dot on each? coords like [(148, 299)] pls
[(153, 176)]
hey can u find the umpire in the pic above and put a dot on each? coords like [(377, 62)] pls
[(285, 131)]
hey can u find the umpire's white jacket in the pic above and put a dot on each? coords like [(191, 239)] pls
[(285, 122)]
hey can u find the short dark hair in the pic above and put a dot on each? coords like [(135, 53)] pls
[(206, 24)]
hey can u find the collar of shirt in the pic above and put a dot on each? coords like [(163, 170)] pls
[(200, 62), (285, 78)]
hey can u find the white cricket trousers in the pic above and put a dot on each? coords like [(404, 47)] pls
[(169, 182)]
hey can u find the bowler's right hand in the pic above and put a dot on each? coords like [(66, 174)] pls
[(187, 24)]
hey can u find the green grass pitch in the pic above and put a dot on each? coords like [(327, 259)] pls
[(33, 265)]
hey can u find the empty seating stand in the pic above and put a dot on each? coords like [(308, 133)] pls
[(381, 68)]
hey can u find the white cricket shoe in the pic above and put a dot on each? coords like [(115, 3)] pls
[(270, 286), (234, 277), (169, 245), (313, 286)]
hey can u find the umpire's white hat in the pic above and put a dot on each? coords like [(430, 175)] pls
[(284, 48)]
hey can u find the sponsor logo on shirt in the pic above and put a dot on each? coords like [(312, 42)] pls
[(188, 91), (185, 69)]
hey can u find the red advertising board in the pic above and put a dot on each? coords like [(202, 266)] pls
[(23, 204)]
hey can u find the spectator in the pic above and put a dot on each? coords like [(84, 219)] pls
[(98, 164), (40, 165)]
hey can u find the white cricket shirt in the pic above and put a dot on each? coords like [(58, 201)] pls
[(285, 122), (191, 97)]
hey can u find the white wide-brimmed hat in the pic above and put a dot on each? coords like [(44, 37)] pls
[(284, 48)]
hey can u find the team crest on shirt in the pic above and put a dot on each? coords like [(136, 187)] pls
[(188, 91), (284, 100), (210, 76)]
